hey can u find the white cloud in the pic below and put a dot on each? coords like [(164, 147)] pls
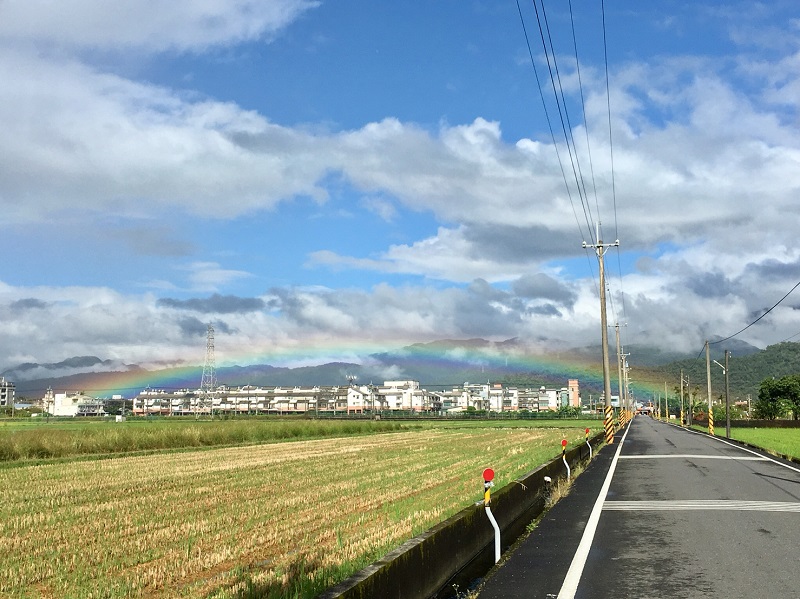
[(211, 277), (146, 25), (706, 162)]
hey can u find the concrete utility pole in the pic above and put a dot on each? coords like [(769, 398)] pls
[(728, 399), (708, 380), (727, 396), (619, 365), (681, 396), (626, 376), (600, 250), (689, 403)]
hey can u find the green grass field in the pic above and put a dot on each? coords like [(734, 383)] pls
[(25, 440), (271, 520), (784, 441)]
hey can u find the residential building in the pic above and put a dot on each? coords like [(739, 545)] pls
[(392, 396), (72, 404), (7, 393)]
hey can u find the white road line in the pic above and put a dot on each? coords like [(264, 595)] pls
[(570, 586), (703, 504), (745, 449), (693, 457)]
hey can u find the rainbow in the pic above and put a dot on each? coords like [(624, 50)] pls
[(482, 358)]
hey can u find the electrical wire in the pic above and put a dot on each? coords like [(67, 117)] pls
[(583, 107), (790, 338), (552, 65), (550, 126), (759, 318), (548, 47)]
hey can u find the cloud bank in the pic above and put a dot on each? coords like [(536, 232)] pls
[(703, 195)]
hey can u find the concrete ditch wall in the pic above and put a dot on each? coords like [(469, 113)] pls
[(422, 566)]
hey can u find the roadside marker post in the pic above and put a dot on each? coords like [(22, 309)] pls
[(488, 483), (608, 424), (710, 420), (587, 444), (564, 456)]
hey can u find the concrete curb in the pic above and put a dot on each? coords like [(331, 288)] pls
[(422, 566)]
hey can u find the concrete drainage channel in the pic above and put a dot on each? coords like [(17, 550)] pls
[(459, 550)]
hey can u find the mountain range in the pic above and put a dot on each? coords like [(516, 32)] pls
[(435, 365)]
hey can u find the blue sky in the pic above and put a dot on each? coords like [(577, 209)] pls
[(321, 179)]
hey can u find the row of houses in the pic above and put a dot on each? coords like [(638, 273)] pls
[(393, 396)]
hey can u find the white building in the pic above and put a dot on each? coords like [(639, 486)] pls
[(400, 395), (72, 404), (7, 393), (403, 395)]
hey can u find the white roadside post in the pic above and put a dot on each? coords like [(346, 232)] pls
[(488, 477), (564, 456), (588, 444)]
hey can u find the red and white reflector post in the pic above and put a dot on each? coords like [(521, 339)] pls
[(488, 483), (564, 456)]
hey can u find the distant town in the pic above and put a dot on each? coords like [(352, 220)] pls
[(392, 396)]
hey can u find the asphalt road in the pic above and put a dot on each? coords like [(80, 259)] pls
[(665, 512)]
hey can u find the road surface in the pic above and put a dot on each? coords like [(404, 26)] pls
[(665, 512)]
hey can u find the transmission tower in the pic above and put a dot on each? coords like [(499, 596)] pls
[(208, 384)]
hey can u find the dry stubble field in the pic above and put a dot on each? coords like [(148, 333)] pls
[(277, 520)]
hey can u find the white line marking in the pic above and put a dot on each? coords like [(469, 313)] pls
[(570, 586), (703, 504), (746, 449), (693, 457)]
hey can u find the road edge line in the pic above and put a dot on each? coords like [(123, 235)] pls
[(747, 449), (573, 577)]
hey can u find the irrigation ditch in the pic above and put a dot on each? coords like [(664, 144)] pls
[(460, 550)]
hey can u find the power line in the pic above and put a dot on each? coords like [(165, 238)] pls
[(583, 108), (790, 338), (759, 318), (611, 151), (559, 96), (550, 125), (610, 137), (566, 130)]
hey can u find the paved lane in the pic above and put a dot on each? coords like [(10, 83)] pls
[(684, 515), (691, 516)]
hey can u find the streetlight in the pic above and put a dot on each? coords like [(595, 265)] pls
[(727, 396)]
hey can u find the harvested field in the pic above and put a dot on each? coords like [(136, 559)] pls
[(277, 520)]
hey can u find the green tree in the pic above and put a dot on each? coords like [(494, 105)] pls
[(569, 411), (776, 397), (790, 389)]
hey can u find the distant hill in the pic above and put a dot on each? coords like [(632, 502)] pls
[(439, 364), (747, 370), (650, 356), (74, 365)]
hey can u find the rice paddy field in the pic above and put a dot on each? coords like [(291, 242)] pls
[(784, 441), (258, 519)]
